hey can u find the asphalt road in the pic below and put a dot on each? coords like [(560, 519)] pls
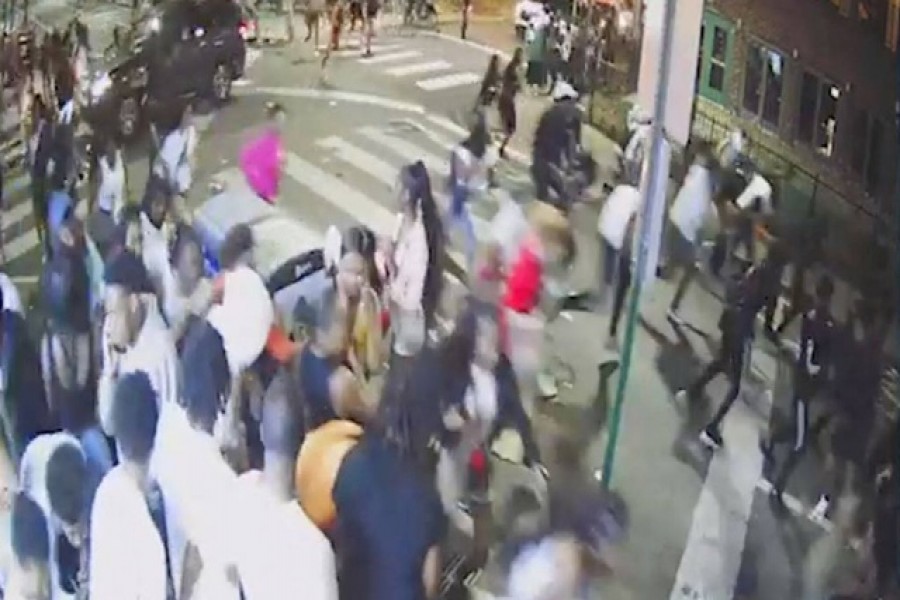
[(346, 139)]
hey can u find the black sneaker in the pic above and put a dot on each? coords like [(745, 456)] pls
[(711, 437)]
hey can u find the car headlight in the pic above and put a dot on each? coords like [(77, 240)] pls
[(100, 85)]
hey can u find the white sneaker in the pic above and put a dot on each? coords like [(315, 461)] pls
[(819, 513), (681, 397)]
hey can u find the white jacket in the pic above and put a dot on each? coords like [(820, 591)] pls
[(410, 264)]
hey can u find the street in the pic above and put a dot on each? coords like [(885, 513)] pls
[(702, 526)]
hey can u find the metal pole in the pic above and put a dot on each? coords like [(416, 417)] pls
[(652, 195)]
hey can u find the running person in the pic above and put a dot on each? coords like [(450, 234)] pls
[(336, 17), (314, 11)]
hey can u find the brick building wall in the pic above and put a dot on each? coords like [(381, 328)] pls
[(813, 36)]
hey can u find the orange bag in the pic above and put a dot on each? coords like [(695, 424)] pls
[(317, 467)]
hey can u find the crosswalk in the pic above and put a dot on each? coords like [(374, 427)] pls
[(403, 63), (351, 179), (19, 235)]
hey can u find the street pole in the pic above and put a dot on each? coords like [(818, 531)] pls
[(654, 188)]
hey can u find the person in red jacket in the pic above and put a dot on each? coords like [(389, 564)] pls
[(548, 241)]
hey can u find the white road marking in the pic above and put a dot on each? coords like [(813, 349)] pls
[(25, 279), (334, 96), (15, 215), (253, 55), (408, 151), (419, 68), (715, 546), (384, 172), (394, 57), (448, 81), (411, 152), (506, 56), (21, 245), (349, 49), (339, 193)]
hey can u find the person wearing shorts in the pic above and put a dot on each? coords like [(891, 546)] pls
[(313, 15)]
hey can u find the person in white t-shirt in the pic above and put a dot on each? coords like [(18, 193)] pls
[(128, 531), (53, 472), (284, 555), (111, 193), (732, 148), (690, 211), (755, 205), (616, 228), (27, 574)]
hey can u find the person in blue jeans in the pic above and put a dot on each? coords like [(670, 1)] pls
[(470, 173)]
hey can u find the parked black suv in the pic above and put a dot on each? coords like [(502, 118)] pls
[(182, 50)]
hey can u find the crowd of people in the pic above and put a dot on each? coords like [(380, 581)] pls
[(182, 428)]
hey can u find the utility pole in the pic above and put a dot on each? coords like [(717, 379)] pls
[(654, 183)]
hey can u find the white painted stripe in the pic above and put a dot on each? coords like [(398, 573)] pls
[(715, 546), (394, 57), (409, 152), (334, 96), (21, 245), (346, 198), (419, 68), (16, 214), (25, 279), (253, 55), (458, 130), (348, 49), (448, 81), (455, 39), (384, 172), (335, 191), (242, 82)]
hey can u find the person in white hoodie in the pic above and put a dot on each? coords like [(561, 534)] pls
[(690, 211), (135, 337)]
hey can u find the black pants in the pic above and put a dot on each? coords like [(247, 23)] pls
[(796, 432), (730, 362), (623, 284)]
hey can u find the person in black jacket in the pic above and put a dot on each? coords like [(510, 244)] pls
[(24, 413), (736, 325), (42, 152), (817, 342)]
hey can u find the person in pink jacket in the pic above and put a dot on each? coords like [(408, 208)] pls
[(262, 157)]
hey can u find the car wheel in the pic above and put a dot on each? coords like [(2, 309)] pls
[(129, 117), (221, 83)]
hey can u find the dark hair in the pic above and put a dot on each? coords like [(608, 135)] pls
[(127, 271), (185, 236), (66, 482), (418, 183), (237, 242), (134, 416), (479, 137), (30, 542), (362, 240), (281, 424), (825, 288), (205, 373)]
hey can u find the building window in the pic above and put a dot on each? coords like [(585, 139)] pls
[(892, 30), (866, 158), (715, 54), (817, 118), (763, 84)]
